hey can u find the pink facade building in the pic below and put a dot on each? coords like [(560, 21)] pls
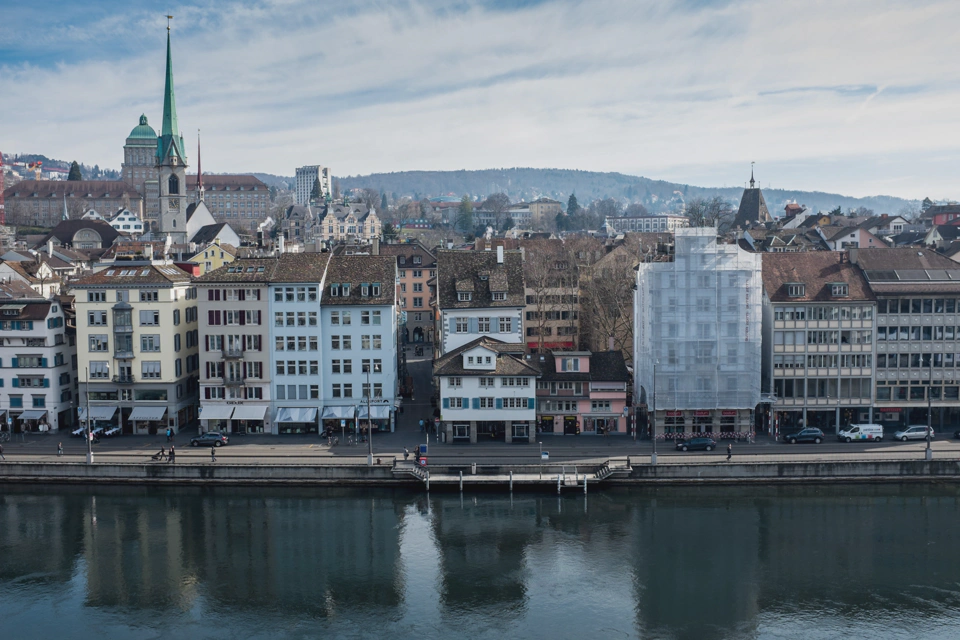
[(580, 392)]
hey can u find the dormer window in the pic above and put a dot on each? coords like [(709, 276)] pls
[(839, 290), (334, 290), (499, 295), (796, 289), (569, 364), (464, 297), (364, 289), (375, 290), (402, 259), (345, 289), (416, 260)]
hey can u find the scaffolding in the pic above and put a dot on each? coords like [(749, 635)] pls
[(698, 333)]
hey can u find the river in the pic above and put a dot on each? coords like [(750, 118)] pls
[(874, 561)]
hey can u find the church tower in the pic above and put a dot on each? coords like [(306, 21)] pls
[(171, 164)]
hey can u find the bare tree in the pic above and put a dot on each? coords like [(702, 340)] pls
[(499, 205), (370, 197), (715, 212), (606, 299), (635, 209)]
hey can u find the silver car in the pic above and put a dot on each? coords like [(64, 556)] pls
[(913, 432)]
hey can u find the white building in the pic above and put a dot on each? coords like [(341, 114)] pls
[(487, 392), (359, 335), (479, 293), (127, 222), (647, 223), (35, 357), (698, 333), (306, 177), (297, 341)]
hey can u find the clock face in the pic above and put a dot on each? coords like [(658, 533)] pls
[(174, 203)]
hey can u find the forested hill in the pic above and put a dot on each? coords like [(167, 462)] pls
[(656, 195)]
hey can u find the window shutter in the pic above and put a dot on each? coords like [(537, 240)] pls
[(208, 370), (243, 342), (476, 403), (259, 320), (259, 342), (513, 326), (244, 369), (243, 317), (224, 294), (16, 363), (446, 401), (243, 294), (43, 362), (258, 296), (206, 340), (531, 403), (453, 325), (499, 403), (46, 382), (217, 316), (206, 393), (210, 317), (472, 325), (209, 297), (16, 382)]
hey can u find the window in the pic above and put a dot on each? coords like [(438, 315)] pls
[(375, 289), (487, 382), (345, 317), (454, 382), (483, 325), (149, 343), (96, 296), (499, 295), (364, 317), (365, 342), (149, 318), (514, 403), (569, 364), (150, 369), (348, 391), (176, 317), (335, 342), (505, 325), (796, 290), (99, 342), (839, 289), (486, 403), (464, 296), (347, 342), (418, 287), (376, 342), (376, 317), (278, 319), (149, 296), (97, 318), (461, 325), (314, 343), (456, 403), (335, 318), (418, 302)]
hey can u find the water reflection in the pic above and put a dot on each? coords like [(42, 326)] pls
[(677, 563)]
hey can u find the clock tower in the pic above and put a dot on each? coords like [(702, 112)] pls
[(172, 164)]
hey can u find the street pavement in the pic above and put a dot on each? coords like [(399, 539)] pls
[(313, 449)]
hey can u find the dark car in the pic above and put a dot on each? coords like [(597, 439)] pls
[(209, 439), (806, 435), (697, 444)]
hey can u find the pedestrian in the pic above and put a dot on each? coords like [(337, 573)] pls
[(729, 451), (406, 453), (171, 456), (59, 449), (2, 457), (168, 435), (421, 425), (213, 454)]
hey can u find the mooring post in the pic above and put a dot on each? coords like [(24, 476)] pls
[(558, 484), (584, 484), (511, 482), (428, 481), (461, 482)]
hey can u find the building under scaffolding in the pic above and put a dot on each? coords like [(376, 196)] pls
[(697, 317)]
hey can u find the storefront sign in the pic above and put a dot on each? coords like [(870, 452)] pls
[(728, 413), (701, 414), (674, 414)]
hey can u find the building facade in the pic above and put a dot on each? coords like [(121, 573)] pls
[(137, 337), (648, 223), (487, 392), (416, 268), (580, 392), (479, 293), (35, 366), (351, 222), (305, 179), (819, 341), (697, 341), (359, 335), (235, 347), (139, 168), (241, 200), (45, 203)]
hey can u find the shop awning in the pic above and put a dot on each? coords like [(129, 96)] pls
[(216, 412), (297, 414), (147, 413), (97, 413), (338, 412), (32, 415), (377, 412), (252, 412)]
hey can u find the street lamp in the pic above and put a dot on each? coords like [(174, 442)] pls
[(928, 454), (89, 438), (653, 432), (369, 423)]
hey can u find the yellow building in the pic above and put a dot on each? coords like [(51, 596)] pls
[(213, 256)]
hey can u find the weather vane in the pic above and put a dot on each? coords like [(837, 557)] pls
[(169, 18)]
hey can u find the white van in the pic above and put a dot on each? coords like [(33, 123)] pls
[(871, 432)]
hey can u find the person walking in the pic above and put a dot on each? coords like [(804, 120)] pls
[(213, 454), (729, 451), (59, 449), (172, 455), (2, 457), (406, 453), (421, 425)]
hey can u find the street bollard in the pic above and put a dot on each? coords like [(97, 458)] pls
[(461, 482), (584, 484), (511, 482), (428, 481), (558, 484), (473, 468)]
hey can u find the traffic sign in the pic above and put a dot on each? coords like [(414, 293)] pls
[(423, 450), (545, 455), (343, 423), (436, 422)]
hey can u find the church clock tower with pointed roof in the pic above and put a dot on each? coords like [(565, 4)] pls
[(172, 164)]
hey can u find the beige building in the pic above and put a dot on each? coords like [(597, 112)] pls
[(544, 210), (41, 203), (348, 223), (416, 266), (237, 199), (137, 336)]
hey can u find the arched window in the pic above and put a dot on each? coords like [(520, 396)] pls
[(173, 185)]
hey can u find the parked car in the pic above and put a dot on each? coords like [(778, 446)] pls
[(806, 435), (697, 444), (871, 432), (209, 439), (914, 432)]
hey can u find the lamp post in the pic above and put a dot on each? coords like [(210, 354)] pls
[(88, 437), (653, 431), (369, 422), (541, 459), (928, 454)]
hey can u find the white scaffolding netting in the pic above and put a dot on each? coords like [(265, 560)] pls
[(698, 319)]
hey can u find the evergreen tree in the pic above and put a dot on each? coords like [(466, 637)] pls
[(383, 201), (74, 172), (572, 205), (464, 220), (316, 193)]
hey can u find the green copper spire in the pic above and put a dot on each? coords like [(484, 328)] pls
[(170, 125)]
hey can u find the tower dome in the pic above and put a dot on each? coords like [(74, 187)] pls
[(143, 131)]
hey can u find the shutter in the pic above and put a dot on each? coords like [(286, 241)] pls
[(46, 382), (244, 369), (16, 382), (476, 403), (531, 403), (499, 403), (243, 294), (209, 297), (243, 317), (210, 317), (258, 296), (208, 370), (472, 325), (206, 392), (206, 340), (43, 362), (259, 317), (446, 401), (513, 325), (243, 342), (453, 325), (16, 363), (217, 316)]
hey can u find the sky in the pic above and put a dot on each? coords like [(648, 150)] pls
[(850, 96)]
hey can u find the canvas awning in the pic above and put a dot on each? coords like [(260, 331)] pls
[(147, 413), (335, 412), (252, 412), (297, 414), (97, 413), (216, 412), (377, 412), (32, 414)]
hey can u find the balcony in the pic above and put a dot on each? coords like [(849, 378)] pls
[(124, 379), (232, 381), (232, 353), (123, 328), (123, 354)]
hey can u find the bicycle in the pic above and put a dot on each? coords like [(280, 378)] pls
[(4, 436)]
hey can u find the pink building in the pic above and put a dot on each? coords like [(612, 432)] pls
[(580, 392)]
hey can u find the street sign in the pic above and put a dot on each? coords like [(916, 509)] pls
[(343, 423), (423, 461), (545, 455), (436, 422), (423, 451)]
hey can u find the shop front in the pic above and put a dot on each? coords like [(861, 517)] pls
[(294, 420), (546, 424), (571, 426), (379, 417), (216, 417), (520, 432), (148, 420), (601, 423), (339, 420), (101, 417), (249, 418), (32, 421)]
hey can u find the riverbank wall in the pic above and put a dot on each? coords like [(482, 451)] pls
[(487, 476)]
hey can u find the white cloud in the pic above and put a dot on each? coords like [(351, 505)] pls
[(849, 96)]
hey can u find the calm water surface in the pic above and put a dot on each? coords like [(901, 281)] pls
[(855, 562)]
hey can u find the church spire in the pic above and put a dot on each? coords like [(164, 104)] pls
[(199, 171), (752, 181), (170, 126)]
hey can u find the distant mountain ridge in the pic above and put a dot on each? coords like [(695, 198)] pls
[(657, 195)]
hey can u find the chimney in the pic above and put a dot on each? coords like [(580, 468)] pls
[(610, 343), (149, 252), (499, 254), (50, 247), (280, 244), (375, 246), (854, 255)]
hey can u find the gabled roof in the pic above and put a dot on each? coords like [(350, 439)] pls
[(455, 267), (510, 361), (71, 188), (902, 258), (816, 270), (407, 251), (136, 274), (358, 270), (66, 229), (753, 209), (25, 309), (605, 366), (243, 270), (208, 233)]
